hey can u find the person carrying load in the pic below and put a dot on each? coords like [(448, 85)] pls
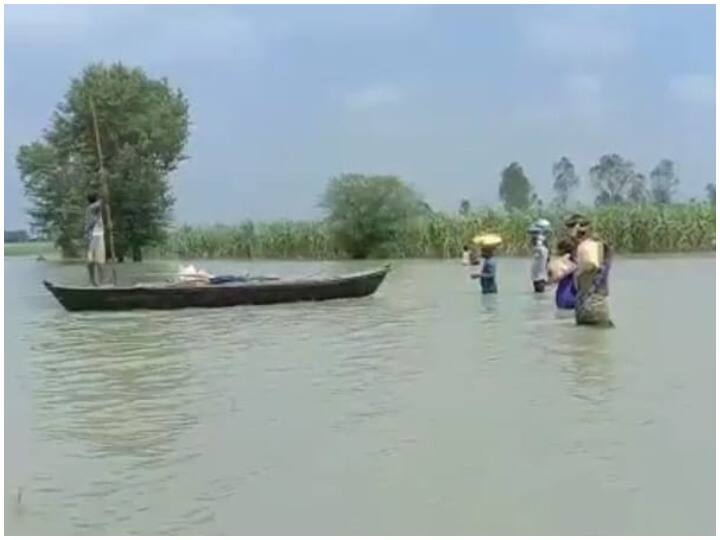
[(593, 259), (488, 267), (540, 255)]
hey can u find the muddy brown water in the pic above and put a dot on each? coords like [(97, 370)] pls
[(425, 409)]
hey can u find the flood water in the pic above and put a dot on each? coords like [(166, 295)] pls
[(425, 409)]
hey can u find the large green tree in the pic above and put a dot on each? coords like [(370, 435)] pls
[(710, 191), (615, 181), (465, 207), (515, 189), (367, 213), (663, 182), (565, 180), (56, 185), (142, 125)]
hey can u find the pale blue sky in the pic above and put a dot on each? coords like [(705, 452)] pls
[(284, 97)]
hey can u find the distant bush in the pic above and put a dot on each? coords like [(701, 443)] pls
[(12, 237), (367, 214)]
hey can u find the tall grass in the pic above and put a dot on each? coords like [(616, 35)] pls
[(629, 229), (281, 239), (23, 249)]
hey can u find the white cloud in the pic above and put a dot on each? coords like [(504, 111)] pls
[(145, 34), (576, 37), (29, 23), (694, 88), (373, 96)]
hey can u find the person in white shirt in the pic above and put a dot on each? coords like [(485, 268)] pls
[(538, 269), (94, 233), (466, 256)]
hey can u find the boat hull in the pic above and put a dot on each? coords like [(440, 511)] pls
[(215, 296)]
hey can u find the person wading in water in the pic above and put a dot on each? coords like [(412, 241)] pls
[(488, 266), (561, 270), (593, 258), (540, 259)]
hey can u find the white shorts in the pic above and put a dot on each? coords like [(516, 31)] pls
[(96, 249)]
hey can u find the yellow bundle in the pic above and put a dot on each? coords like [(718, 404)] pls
[(487, 240)]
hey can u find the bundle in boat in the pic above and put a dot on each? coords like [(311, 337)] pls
[(189, 275)]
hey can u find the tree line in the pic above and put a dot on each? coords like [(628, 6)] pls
[(613, 179), (16, 236)]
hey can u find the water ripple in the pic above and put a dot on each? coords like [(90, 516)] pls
[(368, 411)]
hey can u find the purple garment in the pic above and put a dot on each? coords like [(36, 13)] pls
[(566, 293)]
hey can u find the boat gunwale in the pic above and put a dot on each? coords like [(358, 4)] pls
[(307, 282)]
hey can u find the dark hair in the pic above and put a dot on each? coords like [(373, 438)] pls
[(583, 232), (564, 246), (465, 248), (92, 197), (577, 219)]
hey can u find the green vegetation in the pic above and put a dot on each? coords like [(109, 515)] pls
[(281, 239), (710, 191), (381, 217), (663, 182), (30, 248), (369, 214), (630, 229), (143, 127), (565, 181), (17, 236), (515, 189), (615, 181), (642, 229)]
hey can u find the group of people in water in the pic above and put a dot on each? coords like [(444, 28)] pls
[(579, 268)]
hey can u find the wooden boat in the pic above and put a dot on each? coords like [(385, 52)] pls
[(177, 296)]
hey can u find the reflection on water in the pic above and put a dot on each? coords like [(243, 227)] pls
[(427, 408), (121, 382)]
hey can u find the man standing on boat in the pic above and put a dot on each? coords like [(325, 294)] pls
[(94, 234)]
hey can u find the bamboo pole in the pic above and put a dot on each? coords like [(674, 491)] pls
[(103, 181)]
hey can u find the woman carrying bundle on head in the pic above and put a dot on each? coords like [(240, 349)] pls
[(488, 267), (540, 255)]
